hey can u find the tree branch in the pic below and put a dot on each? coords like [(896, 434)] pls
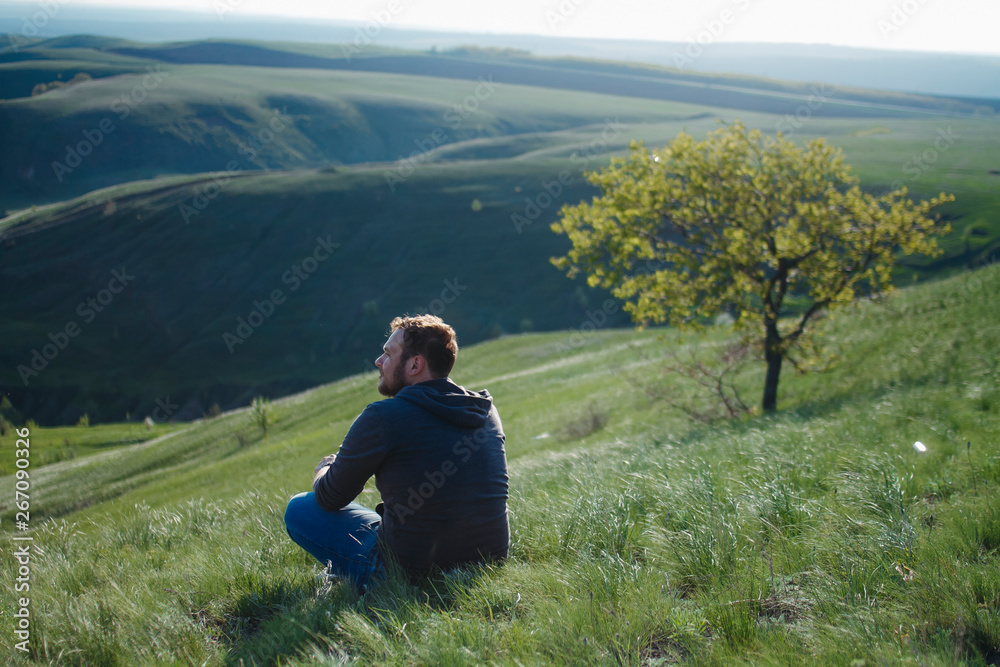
[(794, 335)]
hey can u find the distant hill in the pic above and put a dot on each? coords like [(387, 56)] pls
[(976, 77), (155, 208), (956, 75), (424, 247), (171, 109)]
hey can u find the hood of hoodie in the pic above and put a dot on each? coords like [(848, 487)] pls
[(454, 404)]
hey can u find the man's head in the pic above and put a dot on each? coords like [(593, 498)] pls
[(419, 348)]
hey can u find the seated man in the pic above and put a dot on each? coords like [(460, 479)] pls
[(437, 453)]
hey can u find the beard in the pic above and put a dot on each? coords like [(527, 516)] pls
[(390, 386)]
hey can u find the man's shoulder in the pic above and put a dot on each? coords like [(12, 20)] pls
[(386, 408)]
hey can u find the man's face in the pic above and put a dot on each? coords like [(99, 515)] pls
[(391, 377)]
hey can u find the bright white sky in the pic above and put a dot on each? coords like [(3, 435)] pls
[(965, 26)]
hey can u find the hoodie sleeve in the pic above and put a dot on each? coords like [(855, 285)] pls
[(360, 455)]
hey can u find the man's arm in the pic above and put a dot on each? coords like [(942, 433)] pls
[(322, 467), (364, 448)]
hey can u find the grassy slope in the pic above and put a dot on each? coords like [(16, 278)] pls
[(198, 117), (641, 80), (152, 237), (194, 280), (646, 542), (20, 71), (953, 155), (50, 445), (213, 95)]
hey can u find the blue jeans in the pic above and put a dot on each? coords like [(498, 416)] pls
[(345, 540)]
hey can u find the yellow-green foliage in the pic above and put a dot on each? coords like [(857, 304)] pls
[(742, 222), (737, 220)]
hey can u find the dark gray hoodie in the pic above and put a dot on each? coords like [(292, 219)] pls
[(437, 453)]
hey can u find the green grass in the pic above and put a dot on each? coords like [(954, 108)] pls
[(193, 280), (815, 535), (53, 444), (192, 116), (195, 118)]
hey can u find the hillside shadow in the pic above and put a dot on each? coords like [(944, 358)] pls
[(801, 412), (265, 627)]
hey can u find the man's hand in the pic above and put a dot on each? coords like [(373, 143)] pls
[(325, 462), (322, 467)]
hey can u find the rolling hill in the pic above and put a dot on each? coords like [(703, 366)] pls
[(930, 73), (426, 182), (638, 536), (185, 108)]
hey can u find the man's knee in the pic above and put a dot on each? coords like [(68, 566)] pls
[(299, 505)]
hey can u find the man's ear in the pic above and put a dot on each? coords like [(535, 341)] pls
[(415, 365)]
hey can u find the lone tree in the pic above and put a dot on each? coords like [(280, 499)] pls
[(743, 223)]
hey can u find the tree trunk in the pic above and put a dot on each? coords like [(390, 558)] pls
[(773, 356)]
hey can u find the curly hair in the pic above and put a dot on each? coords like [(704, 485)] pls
[(431, 338)]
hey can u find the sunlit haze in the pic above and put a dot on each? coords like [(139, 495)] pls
[(961, 26)]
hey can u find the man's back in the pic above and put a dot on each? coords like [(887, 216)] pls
[(437, 453)]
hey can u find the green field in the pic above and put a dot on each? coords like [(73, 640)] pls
[(397, 250), (819, 534), (244, 218), (234, 158), (50, 445), (189, 108)]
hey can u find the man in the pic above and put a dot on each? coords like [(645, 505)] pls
[(437, 454)]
